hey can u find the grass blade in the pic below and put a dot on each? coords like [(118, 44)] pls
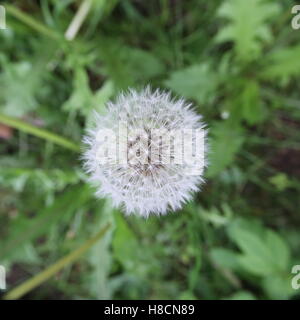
[(41, 133), (40, 278), (64, 205), (29, 21)]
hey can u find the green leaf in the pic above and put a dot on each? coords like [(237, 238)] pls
[(23, 78), (197, 82), (251, 105), (100, 255), (250, 243), (42, 277), (281, 181), (30, 229), (247, 25), (102, 96), (43, 181), (278, 287), (282, 64), (81, 97), (31, 22), (257, 265), (99, 100), (127, 66), (125, 244), (241, 295), (279, 250), (143, 64), (263, 251), (226, 142), (225, 258)]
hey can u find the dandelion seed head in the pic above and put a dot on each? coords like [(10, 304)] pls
[(141, 172)]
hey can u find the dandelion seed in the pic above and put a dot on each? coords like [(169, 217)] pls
[(147, 153)]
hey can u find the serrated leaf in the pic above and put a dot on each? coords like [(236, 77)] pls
[(263, 252), (42, 180), (81, 96), (197, 82), (282, 64), (247, 25)]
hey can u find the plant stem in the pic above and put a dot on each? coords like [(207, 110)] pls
[(78, 19), (41, 133), (40, 278), (34, 24)]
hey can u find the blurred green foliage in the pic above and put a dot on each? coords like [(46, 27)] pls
[(238, 62)]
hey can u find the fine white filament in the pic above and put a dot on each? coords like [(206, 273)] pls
[(151, 180)]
